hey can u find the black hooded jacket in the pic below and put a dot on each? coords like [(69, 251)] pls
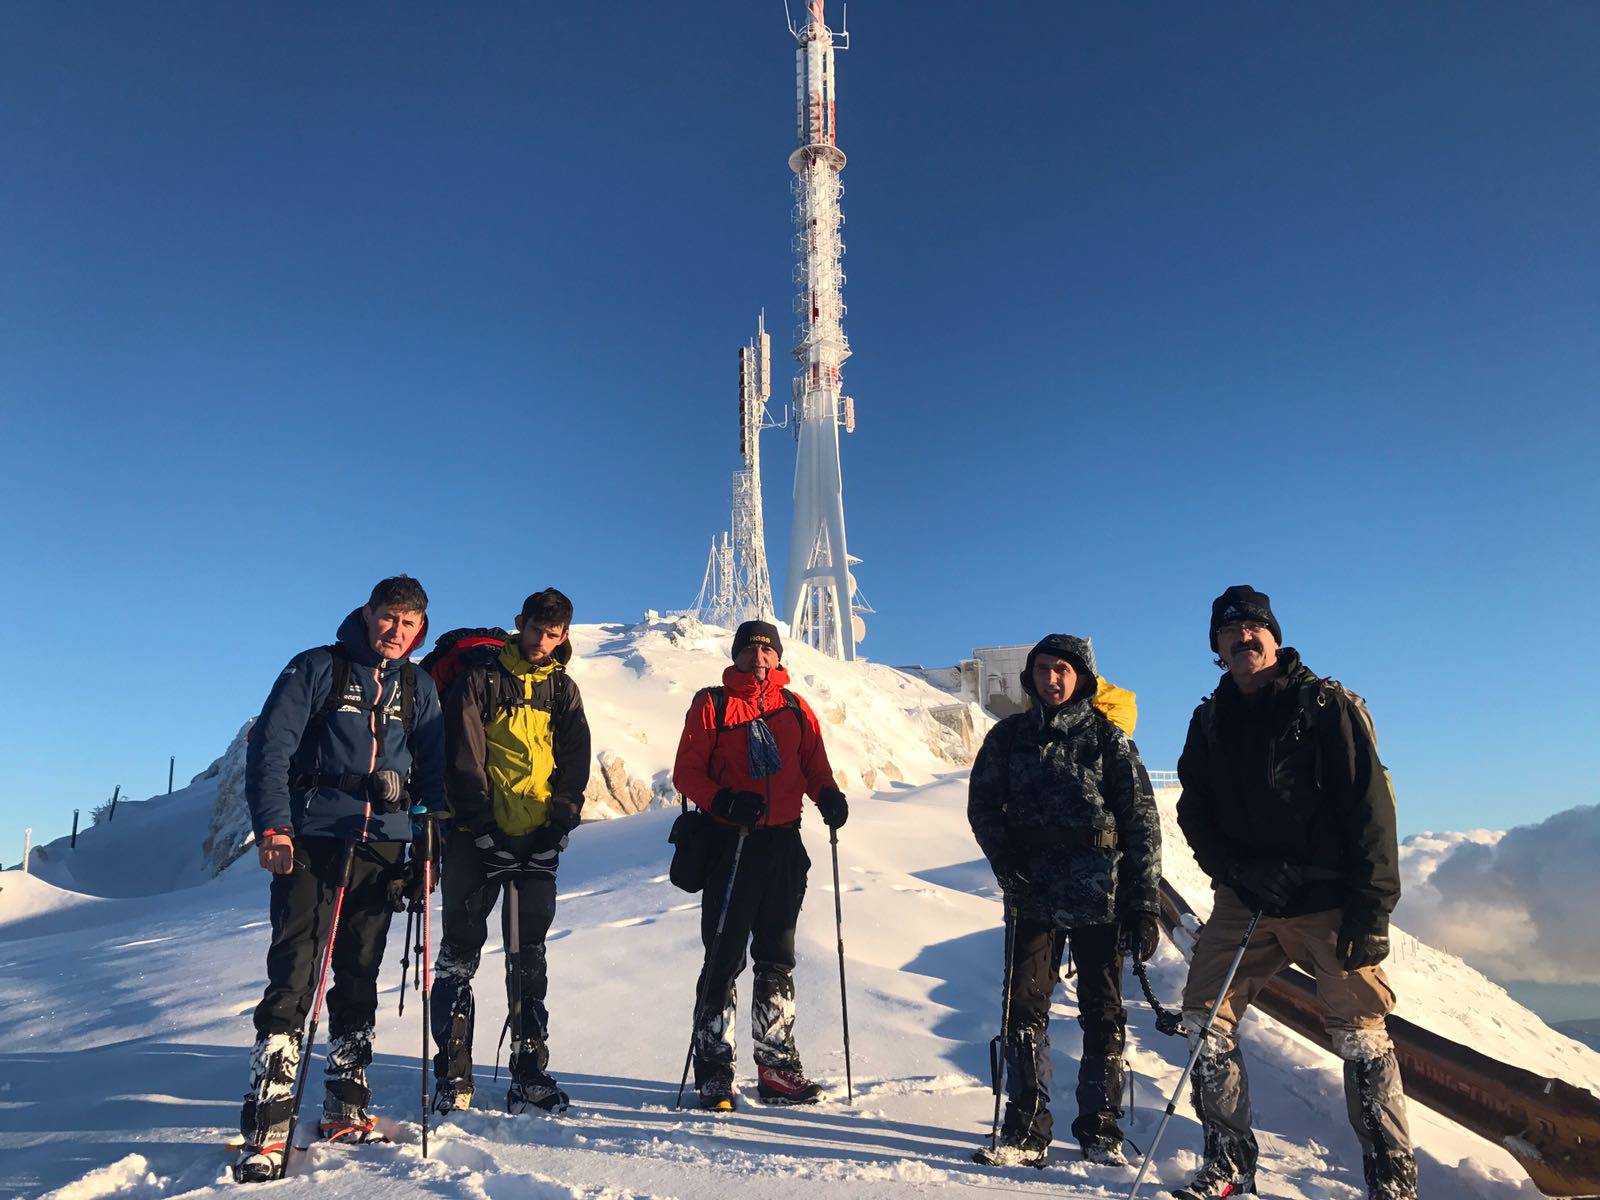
[(1292, 772)]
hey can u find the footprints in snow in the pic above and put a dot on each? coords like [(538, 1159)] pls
[(630, 922)]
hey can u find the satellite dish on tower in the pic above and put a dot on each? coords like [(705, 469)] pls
[(858, 627)]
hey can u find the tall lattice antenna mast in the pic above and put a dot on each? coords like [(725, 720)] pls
[(752, 585), (736, 586), (819, 598)]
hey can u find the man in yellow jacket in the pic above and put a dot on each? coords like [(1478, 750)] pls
[(517, 761)]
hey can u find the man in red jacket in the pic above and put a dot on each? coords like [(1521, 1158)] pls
[(750, 750)]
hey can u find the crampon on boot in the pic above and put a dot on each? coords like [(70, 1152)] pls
[(1218, 1178), (537, 1092), (259, 1164), (1024, 1150), (264, 1120), (348, 1125), (777, 1085), (716, 1094)]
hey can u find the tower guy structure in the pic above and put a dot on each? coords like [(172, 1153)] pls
[(819, 597), (737, 586)]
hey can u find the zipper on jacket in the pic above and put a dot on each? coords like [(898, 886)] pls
[(377, 704)]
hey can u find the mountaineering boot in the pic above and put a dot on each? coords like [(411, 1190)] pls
[(345, 1118), (1101, 1079), (716, 1094), (1015, 1150), (1105, 1154), (259, 1164), (1218, 1178), (542, 1093), (451, 1096), (781, 1085), (264, 1120), (531, 1085), (1390, 1176)]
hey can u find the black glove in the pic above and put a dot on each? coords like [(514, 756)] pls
[(499, 864), (386, 790), (394, 892), (1141, 934), (739, 808), (563, 816), (1012, 878), (1363, 940), (1270, 880), (546, 838), (566, 814), (833, 807)]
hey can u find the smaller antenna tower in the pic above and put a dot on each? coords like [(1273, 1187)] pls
[(737, 586)]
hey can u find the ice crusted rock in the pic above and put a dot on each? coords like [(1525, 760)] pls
[(229, 834), (614, 789)]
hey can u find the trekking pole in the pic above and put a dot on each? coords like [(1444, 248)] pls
[(711, 957), (405, 956), (844, 1000), (997, 1048), (514, 979), (425, 968), (1199, 1044), (310, 1041)]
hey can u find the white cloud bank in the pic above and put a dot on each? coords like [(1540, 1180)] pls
[(1524, 904)]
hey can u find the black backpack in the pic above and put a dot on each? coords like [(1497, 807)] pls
[(719, 707), (341, 682)]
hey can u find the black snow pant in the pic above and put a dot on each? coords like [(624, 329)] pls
[(1035, 966), (762, 913), (469, 898), (302, 908)]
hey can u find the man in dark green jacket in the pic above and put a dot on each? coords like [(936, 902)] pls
[(1289, 810)]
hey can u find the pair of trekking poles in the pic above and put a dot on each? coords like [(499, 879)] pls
[(997, 1046), (424, 973), (716, 943)]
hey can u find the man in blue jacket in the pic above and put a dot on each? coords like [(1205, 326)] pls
[(349, 740)]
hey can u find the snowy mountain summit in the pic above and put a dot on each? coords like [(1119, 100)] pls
[(128, 969)]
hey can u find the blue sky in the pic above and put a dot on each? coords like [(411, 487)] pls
[(1145, 300)]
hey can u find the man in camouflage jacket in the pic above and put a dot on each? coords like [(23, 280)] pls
[(1062, 808)]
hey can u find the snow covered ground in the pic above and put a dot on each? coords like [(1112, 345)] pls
[(124, 1016)]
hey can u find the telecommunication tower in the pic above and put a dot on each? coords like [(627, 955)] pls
[(820, 601), (752, 585), (737, 586)]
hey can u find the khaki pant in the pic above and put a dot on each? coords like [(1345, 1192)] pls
[(1354, 1003)]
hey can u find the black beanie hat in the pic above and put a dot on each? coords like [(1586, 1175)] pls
[(1075, 650), (1242, 602), (762, 633)]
